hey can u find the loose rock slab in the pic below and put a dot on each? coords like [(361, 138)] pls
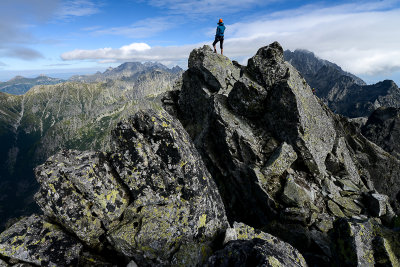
[(249, 247), (34, 240), (80, 191), (176, 210)]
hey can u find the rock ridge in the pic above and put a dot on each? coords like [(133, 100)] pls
[(283, 161), (253, 170)]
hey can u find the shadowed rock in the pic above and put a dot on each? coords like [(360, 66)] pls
[(176, 211), (270, 143), (284, 164), (365, 243), (152, 198), (80, 191), (249, 247), (383, 128), (343, 92), (37, 241)]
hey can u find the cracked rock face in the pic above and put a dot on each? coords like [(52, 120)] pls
[(152, 198), (246, 246), (80, 191), (272, 251), (366, 243), (383, 128), (176, 210), (37, 241), (271, 144), (255, 146)]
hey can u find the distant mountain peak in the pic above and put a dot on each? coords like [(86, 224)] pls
[(127, 70), (342, 91), (19, 85), (18, 77)]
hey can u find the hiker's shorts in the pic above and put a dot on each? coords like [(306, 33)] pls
[(219, 39)]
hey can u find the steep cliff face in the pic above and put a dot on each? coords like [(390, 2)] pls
[(343, 92), (254, 170), (317, 70)]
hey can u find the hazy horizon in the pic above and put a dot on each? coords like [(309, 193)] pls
[(66, 36)]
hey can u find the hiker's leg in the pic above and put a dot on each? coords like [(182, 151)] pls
[(215, 42), (221, 44)]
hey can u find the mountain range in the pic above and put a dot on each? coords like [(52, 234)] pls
[(343, 92), (68, 115), (20, 85), (127, 74)]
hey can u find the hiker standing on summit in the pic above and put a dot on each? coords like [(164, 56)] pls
[(219, 36)]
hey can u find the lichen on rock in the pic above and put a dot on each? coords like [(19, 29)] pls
[(80, 191), (37, 241), (175, 201), (249, 247)]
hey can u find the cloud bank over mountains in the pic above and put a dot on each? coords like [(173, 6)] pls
[(363, 38)]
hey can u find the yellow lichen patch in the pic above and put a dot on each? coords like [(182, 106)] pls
[(274, 262), (392, 256), (202, 220), (53, 189), (112, 195), (243, 233), (183, 163)]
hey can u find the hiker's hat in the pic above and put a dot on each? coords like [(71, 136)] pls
[(220, 20)]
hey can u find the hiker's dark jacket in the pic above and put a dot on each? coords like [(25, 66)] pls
[(220, 29)]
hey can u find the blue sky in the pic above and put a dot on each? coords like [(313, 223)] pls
[(64, 37)]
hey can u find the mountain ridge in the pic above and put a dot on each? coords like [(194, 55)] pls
[(343, 92), (71, 114), (20, 85), (125, 70), (253, 170)]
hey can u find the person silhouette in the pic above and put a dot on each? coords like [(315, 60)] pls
[(219, 36)]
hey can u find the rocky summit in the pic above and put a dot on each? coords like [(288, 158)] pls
[(247, 168), (284, 163)]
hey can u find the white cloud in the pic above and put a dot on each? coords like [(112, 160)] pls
[(361, 42), (199, 7), (140, 29), (362, 38), (123, 53), (18, 16), (77, 8), (15, 36), (170, 55)]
